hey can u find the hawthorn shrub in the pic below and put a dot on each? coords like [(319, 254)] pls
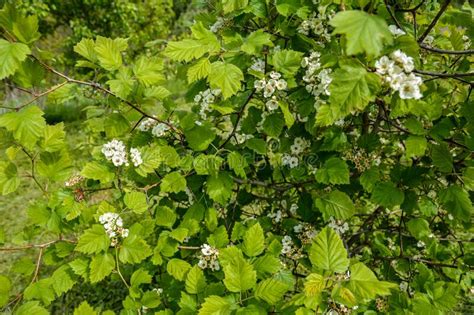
[(288, 156)]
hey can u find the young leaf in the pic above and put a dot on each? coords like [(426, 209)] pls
[(11, 56), (93, 240), (365, 285), (364, 32), (101, 266), (27, 125), (226, 77), (328, 253), (254, 241)]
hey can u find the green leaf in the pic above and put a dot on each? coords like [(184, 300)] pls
[(233, 5), (165, 216), (334, 171), (364, 32), (287, 62), (5, 287), (109, 52), (336, 204), (101, 266), (314, 285), (254, 43), (271, 290), (200, 70), (287, 115), (200, 137), (239, 273), (85, 309), (136, 201), (25, 29), (149, 71), (457, 202), (352, 88), (387, 195), (173, 182), (273, 125), (226, 77), (27, 125), (195, 281), (62, 281), (442, 158), (97, 171), (328, 253), (140, 276), (53, 138), (185, 50), (31, 308), (219, 187), (94, 240), (40, 290), (365, 285), (11, 56), (178, 268), (237, 163), (9, 178), (258, 145), (86, 48), (134, 250), (419, 228), (416, 146), (216, 305), (254, 241), (122, 85)]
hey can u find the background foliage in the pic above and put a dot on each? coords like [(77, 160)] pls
[(236, 157)]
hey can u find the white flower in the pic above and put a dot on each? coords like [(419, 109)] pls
[(268, 90), (281, 85), (160, 130), (258, 65), (115, 152), (383, 65), (408, 90), (396, 31), (272, 104), (275, 75), (259, 84), (136, 157), (206, 250)]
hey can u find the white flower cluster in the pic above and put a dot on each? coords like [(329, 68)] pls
[(306, 232), (116, 152), (208, 258), (73, 180), (136, 157), (467, 42), (276, 216), (289, 249), (157, 129), (317, 24), (396, 31), (204, 99), (317, 80), (397, 71), (113, 226), (218, 25), (258, 65), (297, 148), (339, 226), (269, 87)]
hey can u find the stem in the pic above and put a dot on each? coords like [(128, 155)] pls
[(118, 268), (435, 20)]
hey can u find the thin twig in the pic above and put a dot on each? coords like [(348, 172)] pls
[(446, 51), (434, 21)]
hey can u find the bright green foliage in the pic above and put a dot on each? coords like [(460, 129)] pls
[(225, 76), (11, 56), (236, 157), (101, 266), (364, 32), (365, 285), (328, 253), (239, 273), (26, 125)]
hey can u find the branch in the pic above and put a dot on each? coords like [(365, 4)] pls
[(239, 116), (449, 52), (37, 96), (97, 86), (445, 75), (435, 20), (411, 9), (44, 245)]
